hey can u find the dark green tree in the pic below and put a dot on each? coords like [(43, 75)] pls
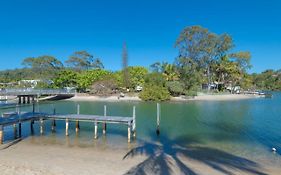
[(82, 60)]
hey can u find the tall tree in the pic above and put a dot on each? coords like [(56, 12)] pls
[(125, 66), (82, 60), (169, 71), (204, 49), (44, 66), (40, 62)]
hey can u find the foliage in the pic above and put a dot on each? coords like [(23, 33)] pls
[(267, 80), (136, 76), (155, 79), (153, 92), (204, 51), (82, 60), (190, 74), (169, 71), (44, 66), (104, 87), (175, 88), (42, 62), (87, 78), (66, 78)]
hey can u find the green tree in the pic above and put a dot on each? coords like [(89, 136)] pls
[(87, 78), (82, 60), (175, 88), (137, 76), (169, 71), (154, 93), (44, 66), (204, 50), (66, 78)]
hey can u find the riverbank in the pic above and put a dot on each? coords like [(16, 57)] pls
[(36, 156), (202, 97)]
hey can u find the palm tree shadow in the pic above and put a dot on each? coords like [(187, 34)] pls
[(166, 155)]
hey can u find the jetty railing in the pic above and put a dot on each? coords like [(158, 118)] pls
[(30, 91), (17, 118)]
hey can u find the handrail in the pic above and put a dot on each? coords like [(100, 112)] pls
[(16, 92)]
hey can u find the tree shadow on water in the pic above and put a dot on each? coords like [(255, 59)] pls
[(166, 155)]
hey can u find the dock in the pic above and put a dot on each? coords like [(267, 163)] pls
[(31, 95), (16, 118)]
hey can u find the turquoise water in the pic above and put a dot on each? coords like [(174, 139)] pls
[(247, 128)]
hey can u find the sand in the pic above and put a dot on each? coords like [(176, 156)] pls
[(33, 156), (224, 97)]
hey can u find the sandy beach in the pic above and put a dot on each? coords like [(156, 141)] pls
[(201, 97), (38, 157)]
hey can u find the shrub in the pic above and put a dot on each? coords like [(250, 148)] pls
[(154, 93), (176, 88), (104, 87)]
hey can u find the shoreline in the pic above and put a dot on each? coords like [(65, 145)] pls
[(32, 156), (202, 97)]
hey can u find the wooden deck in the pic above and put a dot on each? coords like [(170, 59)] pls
[(17, 118)]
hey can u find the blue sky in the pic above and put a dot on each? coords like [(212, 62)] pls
[(150, 28)]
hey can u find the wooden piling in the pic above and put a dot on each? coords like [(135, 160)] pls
[(31, 127), (53, 127), (129, 132), (1, 134), (158, 119), (104, 123), (66, 127), (15, 131), (41, 126), (20, 130), (134, 122), (33, 107), (19, 102), (96, 130), (77, 127), (18, 112)]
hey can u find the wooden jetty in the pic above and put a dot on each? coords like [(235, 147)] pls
[(17, 118), (31, 95)]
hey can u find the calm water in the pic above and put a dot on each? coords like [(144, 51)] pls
[(248, 128)]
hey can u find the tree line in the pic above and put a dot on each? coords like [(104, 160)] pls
[(204, 58)]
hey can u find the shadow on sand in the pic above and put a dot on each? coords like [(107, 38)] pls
[(166, 155)]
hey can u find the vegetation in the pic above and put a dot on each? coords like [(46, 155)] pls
[(204, 58), (154, 93)]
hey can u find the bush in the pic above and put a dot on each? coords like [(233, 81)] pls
[(104, 87), (191, 93), (154, 93), (176, 88), (155, 79)]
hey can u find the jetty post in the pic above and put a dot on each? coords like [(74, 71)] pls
[(33, 106), (134, 122), (96, 130), (66, 126), (104, 123), (77, 127), (53, 127), (32, 121), (15, 131), (1, 134), (41, 126), (129, 132), (18, 113), (158, 120)]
